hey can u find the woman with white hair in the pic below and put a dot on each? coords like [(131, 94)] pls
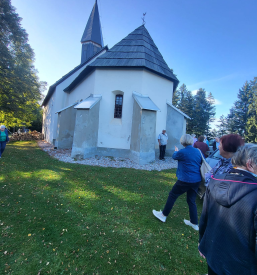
[(3, 139), (189, 179), (228, 225)]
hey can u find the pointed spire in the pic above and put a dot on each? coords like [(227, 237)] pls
[(92, 39), (93, 30)]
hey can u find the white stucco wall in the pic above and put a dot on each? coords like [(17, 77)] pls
[(59, 100), (113, 132), (83, 90), (116, 133), (48, 114)]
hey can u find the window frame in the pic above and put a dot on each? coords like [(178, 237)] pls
[(118, 107)]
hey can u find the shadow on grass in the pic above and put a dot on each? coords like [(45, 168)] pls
[(90, 219)]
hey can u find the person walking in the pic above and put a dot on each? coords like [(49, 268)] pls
[(189, 179), (202, 146), (162, 140), (228, 224), (3, 139)]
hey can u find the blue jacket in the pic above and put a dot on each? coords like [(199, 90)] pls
[(189, 163), (228, 225), (6, 132)]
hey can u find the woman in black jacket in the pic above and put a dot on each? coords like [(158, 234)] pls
[(228, 224)]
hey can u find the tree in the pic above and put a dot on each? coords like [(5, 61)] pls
[(175, 98), (251, 125), (211, 110), (222, 126), (204, 112), (184, 101), (213, 133), (19, 84), (239, 114)]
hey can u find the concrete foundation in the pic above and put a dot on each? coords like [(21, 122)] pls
[(143, 134), (65, 128), (86, 132)]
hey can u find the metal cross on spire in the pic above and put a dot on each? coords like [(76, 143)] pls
[(143, 18)]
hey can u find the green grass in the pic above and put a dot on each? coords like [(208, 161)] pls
[(59, 218)]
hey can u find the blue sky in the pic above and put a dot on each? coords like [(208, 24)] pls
[(209, 44)]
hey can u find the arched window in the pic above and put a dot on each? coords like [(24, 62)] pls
[(118, 106)]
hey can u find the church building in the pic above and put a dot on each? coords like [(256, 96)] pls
[(116, 101)]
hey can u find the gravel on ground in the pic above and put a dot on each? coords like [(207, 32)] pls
[(109, 161)]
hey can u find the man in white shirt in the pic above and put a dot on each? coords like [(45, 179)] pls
[(162, 139)]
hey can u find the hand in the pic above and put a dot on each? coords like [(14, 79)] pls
[(200, 252), (176, 148)]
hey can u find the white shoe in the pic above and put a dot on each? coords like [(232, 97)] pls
[(159, 215), (195, 226)]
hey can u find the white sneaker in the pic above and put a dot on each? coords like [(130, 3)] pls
[(159, 215), (195, 226)]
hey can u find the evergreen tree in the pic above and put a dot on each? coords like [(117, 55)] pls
[(204, 112), (176, 98), (213, 133), (189, 110), (19, 84), (251, 125), (222, 126), (239, 114), (184, 101), (211, 110)]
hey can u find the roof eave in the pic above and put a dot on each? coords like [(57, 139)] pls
[(50, 92)]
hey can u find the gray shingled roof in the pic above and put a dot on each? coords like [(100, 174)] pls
[(93, 30), (137, 50)]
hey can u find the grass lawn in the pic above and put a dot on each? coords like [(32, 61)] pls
[(60, 218)]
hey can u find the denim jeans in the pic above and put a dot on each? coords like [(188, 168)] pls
[(2, 147), (178, 189)]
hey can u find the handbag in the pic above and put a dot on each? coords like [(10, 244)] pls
[(205, 167)]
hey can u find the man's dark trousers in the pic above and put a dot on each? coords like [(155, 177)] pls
[(162, 151)]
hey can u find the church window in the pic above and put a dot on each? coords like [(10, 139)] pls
[(118, 106)]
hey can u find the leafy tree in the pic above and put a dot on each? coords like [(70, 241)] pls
[(19, 84)]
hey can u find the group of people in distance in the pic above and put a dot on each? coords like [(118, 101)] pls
[(228, 223)]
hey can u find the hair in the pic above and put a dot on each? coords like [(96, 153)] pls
[(201, 138), (2, 127), (244, 154), (231, 142), (193, 135), (186, 140)]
